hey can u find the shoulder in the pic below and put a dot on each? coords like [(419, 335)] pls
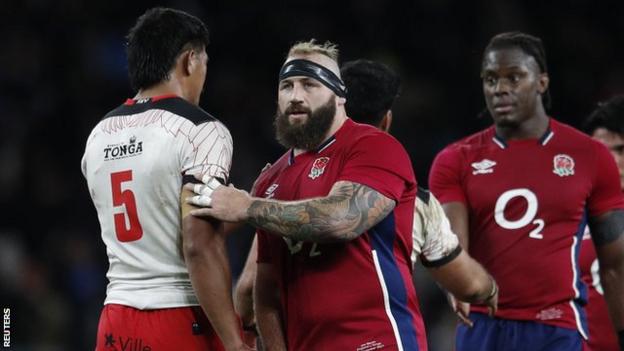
[(369, 137), (174, 105), (573, 138), (269, 173)]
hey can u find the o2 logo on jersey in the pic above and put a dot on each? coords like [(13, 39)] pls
[(318, 167), (563, 165), (527, 218)]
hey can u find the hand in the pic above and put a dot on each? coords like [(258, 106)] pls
[(492, 300), (227, 204), (461, 309)]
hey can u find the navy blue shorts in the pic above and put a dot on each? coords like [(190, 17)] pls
[(494, 334)]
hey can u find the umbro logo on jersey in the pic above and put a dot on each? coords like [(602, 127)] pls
[(123, 149), (318, 167), (483, 167), (563, 165), (270, 192)]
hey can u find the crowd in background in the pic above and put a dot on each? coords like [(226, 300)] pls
[(63, 67)]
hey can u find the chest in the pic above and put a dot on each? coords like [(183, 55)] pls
[(528, 179), (306, 176)]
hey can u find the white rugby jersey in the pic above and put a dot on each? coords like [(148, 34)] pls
[(134, 162), (433, 239)]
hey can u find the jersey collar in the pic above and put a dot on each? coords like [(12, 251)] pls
[(543, 140)]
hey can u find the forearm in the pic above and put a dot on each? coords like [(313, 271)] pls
[(465, 278), (348, 211), (268, 311), (612, 279), (243, 293), (206, 259)]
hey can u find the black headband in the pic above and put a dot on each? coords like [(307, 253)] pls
[(314, 70)]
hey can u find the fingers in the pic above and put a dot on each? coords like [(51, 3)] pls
[(202, 212), (199, 200), (462, 311), (464, 319)]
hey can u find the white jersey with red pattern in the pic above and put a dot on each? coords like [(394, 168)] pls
[(433, 240), (134, 163), (528, 201)]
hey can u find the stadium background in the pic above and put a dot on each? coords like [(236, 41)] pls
[(62, 67)]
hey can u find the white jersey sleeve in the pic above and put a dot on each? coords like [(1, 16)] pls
[(433, 239), (209, 151)]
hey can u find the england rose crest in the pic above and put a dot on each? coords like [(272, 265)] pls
[(318, 167), (563, 165)]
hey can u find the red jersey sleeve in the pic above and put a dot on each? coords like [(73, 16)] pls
[(445, 176), (606, 193), (380, 162)]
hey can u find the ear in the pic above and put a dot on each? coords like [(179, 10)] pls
[(341, 101), (386, 121), (187, 61), (542, 83)]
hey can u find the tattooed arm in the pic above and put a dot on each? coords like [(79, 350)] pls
[(346, 212)]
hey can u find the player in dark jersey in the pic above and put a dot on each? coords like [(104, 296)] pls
[(605, 124), (164, 263), (519, 193), (334, 217)]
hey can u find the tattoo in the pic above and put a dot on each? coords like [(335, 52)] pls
[(607, 228), (348, 211)]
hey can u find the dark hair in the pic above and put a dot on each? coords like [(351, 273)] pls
[(372, 87), (155, 42), (529, 44), (608, 115)]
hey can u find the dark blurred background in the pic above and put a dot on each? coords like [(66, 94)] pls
[(62, 67)]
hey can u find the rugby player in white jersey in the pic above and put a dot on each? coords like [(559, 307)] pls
[(170, 284)]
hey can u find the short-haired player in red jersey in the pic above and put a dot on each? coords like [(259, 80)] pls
[(605, 124), (334, 216), (165, 265), (519, 194)]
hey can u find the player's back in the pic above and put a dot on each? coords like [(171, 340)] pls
[(134, 163)]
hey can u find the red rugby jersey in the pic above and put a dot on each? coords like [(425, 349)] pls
[(528, 201), (356, 295)]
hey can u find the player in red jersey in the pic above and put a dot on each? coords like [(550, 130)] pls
[(372, 88), (605, 124), (164, 263), (334, 216), (519, 193)]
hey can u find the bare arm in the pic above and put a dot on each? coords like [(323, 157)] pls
[(608, 236), (346, 212), (268, 308), (243, 293), (457, 214), (466, 279), (205, 255)]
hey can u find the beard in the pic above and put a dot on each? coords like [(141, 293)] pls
[(307, 135)]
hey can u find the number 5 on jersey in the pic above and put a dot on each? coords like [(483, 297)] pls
[(528, 217), (131, 229)]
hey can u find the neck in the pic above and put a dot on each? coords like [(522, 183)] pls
[(532, 128), (170, 86)]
